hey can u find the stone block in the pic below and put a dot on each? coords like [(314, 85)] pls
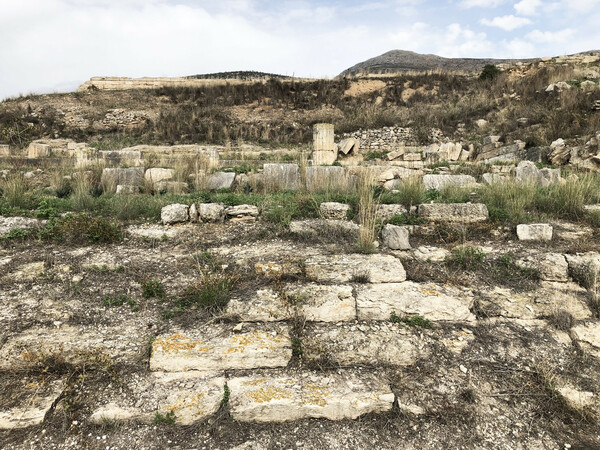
[(439, 182), (534, 232), (221, 180), (284, 177), (211, 212), (175, 213), (323, 137), (344, 268), (156, 175), (454, 212), (395, 237), (112, 177), (334, 211)]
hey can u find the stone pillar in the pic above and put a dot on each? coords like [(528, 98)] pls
[(324, 148)]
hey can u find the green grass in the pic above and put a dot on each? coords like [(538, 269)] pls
[(411, 320), (466, 257), (153, 288), (166, 419)]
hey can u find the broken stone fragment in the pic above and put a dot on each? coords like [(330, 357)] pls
[(176, 213), (454, 212), (534, 232), (334, 211), (395, 237)]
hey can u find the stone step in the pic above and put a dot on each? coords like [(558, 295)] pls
[(359, 344), (221, 347), (346, 268), (31, 399), (434, 302), (191, 396), (281, 398), (321, 303), (72, 345)]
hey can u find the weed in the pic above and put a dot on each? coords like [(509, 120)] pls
[(405, 219), (226, 394), (561, 320), (372, 155), (361, 276), (366, 212), (166, 419), (82, 228), (209, 292), (466, 257), (16, 234), (411, 320), (153, 288), (297, 351)]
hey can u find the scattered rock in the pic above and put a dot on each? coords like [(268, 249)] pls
[(334, 211), (242, 213), (211, 212)]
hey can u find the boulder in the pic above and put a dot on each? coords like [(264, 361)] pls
[(534, 232), (221, 180), (454, 212), (211, 212), (175, 213), (334, 211), (112, 177), (439, 182), (281, 177), (395, 237), (528, 173)]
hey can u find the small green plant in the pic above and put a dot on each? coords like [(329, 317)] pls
[(411, 320), (17, 234), (210, 292), (297, 347), (46, 210), (120, 301), (405, 219), (153, 288), (226, 394), (466, 257), (164, 238), (166, 419)]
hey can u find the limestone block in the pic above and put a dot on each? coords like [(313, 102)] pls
[(396, 154), (35, 398), (211, 212), (171, 187), (191, 396), (551, 266), (129, 157), (577, 399), (324, 226), (323, 137), (528, 173), (324, 158), (328, 179), (112, 177), (242, 213), (323, 303), (386, 212), (156, 175), (429, 254), (395, 237), (585, 267), (175, 213), (454, 212), (436, 303), (348, 145), (343, 268), (534, 232), (334, 211), (126, 189), (38, 150), (546, 300), (220, 347), (221, 180), (4, 150), (285, 398), (588, 337), (194, 213), (282, 177), (493, 178), (365, 344), (439, 182)]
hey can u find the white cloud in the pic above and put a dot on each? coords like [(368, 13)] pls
[(507, 23), (481, 3), (527, 7), (550, 37)]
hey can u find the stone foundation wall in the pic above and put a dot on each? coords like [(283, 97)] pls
[(386, 138)]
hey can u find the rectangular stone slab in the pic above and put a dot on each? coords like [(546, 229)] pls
[(360, 344), (320, 303), (221, 347), (281, 398), (437, 303), (343, 268), (191, 396)]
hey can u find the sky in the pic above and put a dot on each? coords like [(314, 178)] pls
[(54, 45)]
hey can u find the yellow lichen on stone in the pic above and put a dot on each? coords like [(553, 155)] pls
[(190, 402), (257, 339), (315, 395), (268, 394), (429, 292), (178, 343)]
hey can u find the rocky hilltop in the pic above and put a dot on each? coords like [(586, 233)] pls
[(406, 61)]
